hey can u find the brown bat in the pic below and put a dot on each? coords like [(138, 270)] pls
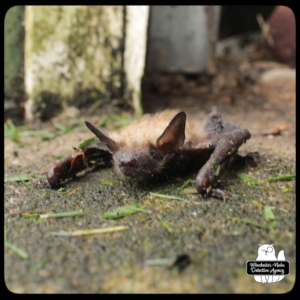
[(160, 143)]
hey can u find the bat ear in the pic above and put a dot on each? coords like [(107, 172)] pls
[(112, 145), (173, 136)]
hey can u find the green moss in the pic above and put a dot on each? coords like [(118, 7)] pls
[(13, 52), (75, 51)]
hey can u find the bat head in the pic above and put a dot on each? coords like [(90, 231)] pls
[(140, 162)]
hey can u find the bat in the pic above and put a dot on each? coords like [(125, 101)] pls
[(158, 144)]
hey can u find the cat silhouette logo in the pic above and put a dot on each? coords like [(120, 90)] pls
[(267, 268)]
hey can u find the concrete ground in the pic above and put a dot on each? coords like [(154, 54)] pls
[(199, 246)]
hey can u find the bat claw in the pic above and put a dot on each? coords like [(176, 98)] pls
[(40, 182), (217, 193), (211, 192)]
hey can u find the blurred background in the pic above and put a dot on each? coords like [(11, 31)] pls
[(94, 59)]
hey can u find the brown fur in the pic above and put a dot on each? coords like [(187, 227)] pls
[(146, 130)]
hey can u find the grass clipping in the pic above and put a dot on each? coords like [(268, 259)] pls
[(124, 211), (90, 231)]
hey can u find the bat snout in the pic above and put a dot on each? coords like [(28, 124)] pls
[(126, 159), (127, 163)]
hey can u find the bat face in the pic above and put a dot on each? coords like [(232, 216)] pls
[(146, 159), (137, 164)]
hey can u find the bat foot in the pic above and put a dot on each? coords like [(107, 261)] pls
[(212, 192), (41, 182), (251, 159), (217, 193)]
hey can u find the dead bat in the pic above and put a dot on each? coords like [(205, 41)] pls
[(152, 146)]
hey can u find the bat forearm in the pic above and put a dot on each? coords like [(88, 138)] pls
[(224, 155)]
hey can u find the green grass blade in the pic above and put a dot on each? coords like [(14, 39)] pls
[(62, 214), (39, 265), (248, 222), (280, 178), (248, 179), (59, 156), (108, 181), (28, 216), (17, 250), (10, 131), (167, 226), (186, 183), (22, 177), (259, 205), (270, 217), (168, 197), (189, 191), (124, 211), (61, 128), (87, 142), (90, 231), (158, 261), (202, 254)]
